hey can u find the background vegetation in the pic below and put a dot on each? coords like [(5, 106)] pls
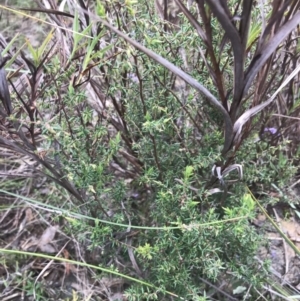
[(136, 129)]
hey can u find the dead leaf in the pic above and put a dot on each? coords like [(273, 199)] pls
[(47, 236), (29, 243), (29, 215), (48, 248)]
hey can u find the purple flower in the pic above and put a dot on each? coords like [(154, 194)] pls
[(273, 254), (273, 131), (135, 195), (133, 77)]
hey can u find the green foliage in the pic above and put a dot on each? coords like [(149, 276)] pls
[(171, 259), (266, 165), (142, 154)]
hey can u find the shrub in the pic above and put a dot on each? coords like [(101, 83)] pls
[(134, 144)]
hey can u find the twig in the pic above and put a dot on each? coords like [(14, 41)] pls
[(46, 267), (284, 243), (218, 289), (190, 187)]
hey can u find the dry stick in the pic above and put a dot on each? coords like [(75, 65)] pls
[(45, 268), (285, 116), (284, 243), (58, 177), (218, 289), (155, 153), (129, 243), (260, 294)]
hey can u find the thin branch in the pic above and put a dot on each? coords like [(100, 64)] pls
[(190, 80), (221, 13)]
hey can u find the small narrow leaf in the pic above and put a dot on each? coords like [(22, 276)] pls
[(188, 172), (239, 290), (33, 52), (41, 49), (100, 9), (248, 201)]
